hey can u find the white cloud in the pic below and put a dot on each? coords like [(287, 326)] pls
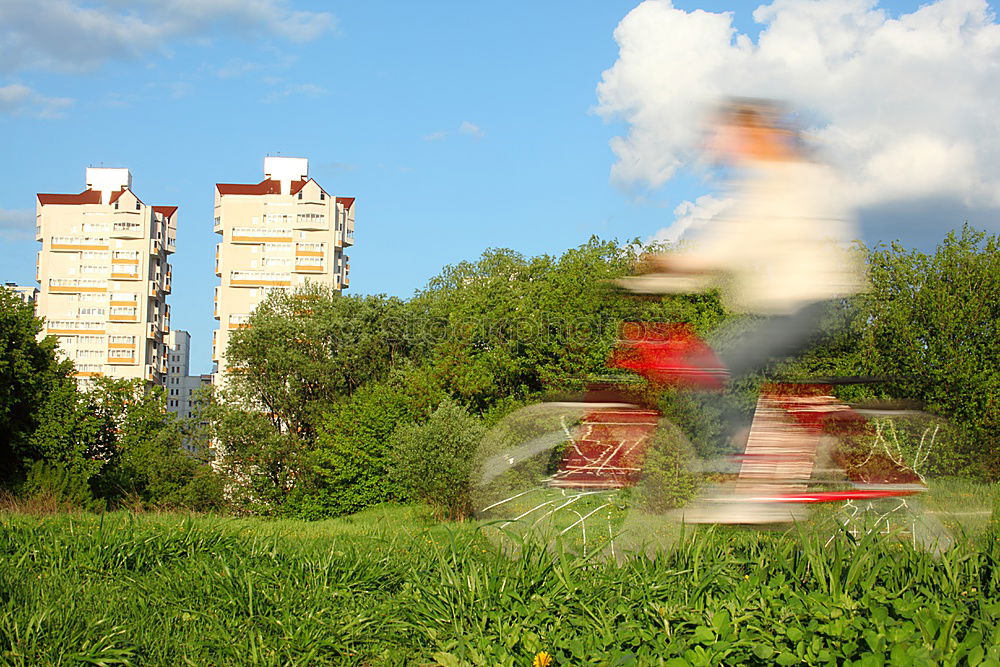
[(465, 127), (73, 35), (16, 98), (905, 106), (17, 224), (692, 215), (471, 129)]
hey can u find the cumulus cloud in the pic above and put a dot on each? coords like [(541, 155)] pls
[(72, 35), (466, 128), (17, 224), (690, 215), (20, 99), (905, 106)]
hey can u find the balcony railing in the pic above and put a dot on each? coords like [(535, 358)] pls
[(89, 370), (310, 249), (125, 256), (73, 326), (124, 299), (78, 243), (130, 229), (309, 264), (124, 271), (71, 285), (120, 341), (123, 314), (260, 234), (259, 279)]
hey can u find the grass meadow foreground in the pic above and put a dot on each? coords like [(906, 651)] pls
[(390, 587)]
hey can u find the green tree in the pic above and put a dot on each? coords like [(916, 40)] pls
[(303, 350), (932, 320), (433, 461), (349, 468), (29, 372)]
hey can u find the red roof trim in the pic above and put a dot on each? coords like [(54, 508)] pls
[(116, 195), (85, 197), (265, 187), (165, 211), (348, 202), (298, 185)]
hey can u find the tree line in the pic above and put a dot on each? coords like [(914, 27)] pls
[(334, 403)]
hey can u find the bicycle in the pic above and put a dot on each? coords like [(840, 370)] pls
[(610, 474)]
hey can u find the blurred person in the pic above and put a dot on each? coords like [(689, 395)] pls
[(779, 251)]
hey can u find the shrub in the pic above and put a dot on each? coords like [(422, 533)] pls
[(433, 461), (59, 486), (669, 480)]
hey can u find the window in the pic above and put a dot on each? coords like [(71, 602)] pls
[(300, 194), (322, 196), (116, 206), (138, 206)]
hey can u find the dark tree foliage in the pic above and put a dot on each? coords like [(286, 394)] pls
[(29, 372)]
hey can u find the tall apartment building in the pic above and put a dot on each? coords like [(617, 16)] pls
[(276, 235), (105, 278)]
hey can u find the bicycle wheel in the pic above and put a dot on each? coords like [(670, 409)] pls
[(587, 478)]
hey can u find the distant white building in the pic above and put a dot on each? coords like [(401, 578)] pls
[(28, 294), (181, 387)]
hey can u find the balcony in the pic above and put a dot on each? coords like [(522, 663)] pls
[(38, 232), (89, 370), (154, 289), (310, 249), (152, 331), (309, 265), (125, 257), (155, 247), (167, 281), (259, 279), (71, 243), (121, 342), (74, 327), (239, 321), (124, 314), (124, 271), (124, 299), (77, 285), (121, 356), (260, 235), (171, 243), (127, 230), (311, 221)]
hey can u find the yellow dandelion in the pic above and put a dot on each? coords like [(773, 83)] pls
[(542, 659)]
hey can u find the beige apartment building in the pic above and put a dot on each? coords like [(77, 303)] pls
[(105, 278), (278, 234)]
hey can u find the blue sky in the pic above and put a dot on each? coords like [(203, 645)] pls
[(457, 125)]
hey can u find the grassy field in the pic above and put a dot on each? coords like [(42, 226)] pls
[(390, 587)]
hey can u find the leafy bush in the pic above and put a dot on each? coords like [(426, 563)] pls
[(433, 461), (669, 479), (59, 485), (348, 469)]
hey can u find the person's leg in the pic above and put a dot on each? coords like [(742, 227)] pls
[(776, 337)]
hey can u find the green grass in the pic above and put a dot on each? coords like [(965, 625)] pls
[(390, 587)]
